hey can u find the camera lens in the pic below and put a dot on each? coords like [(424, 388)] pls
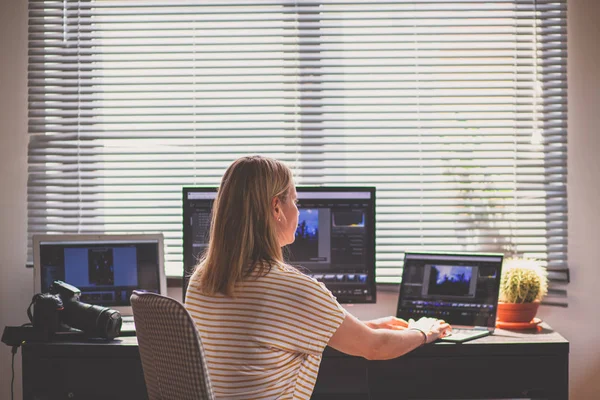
[(96, 321)]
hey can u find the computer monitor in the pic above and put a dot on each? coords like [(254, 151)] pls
[(106, 268), (335, 238)]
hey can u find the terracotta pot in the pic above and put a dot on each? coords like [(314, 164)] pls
[(517, 312)]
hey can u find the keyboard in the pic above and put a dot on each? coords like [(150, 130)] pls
[(127, 327)]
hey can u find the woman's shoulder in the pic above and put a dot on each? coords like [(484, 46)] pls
[(291, 274), (288, 270), (295, 282)]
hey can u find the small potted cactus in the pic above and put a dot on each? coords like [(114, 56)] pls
[(523, 284)]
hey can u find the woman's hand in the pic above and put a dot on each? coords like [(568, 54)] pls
[(432, 327), (387, 323)]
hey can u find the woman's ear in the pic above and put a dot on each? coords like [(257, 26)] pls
[(276, 206)]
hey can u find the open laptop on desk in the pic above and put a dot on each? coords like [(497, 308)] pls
[(106, 268), (460, 288)]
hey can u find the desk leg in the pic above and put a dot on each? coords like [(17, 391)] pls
[(27, 373)]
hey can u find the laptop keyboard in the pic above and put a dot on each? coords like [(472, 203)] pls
[(128, 325)]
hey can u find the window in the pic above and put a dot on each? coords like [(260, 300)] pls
[(456, 111)]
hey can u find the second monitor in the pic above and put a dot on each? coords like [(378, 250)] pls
[(335, 237)]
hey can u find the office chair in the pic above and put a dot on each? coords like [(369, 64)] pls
[(170, 348)]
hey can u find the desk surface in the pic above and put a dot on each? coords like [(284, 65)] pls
[(501, 342), (508, 364)]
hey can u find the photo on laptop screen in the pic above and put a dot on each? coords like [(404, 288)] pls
[(105, 268), (448, 281)]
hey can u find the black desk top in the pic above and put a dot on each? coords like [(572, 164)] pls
[(505, 342)]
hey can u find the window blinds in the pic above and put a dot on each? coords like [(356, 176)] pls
[(454, 110)]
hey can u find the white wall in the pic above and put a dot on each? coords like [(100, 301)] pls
[(578, 323), (15, 280)]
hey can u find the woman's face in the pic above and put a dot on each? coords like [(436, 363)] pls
[(287, 221)]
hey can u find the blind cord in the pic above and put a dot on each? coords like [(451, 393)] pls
[(79, 191), (296, 165), (419, 128), (513, 224)]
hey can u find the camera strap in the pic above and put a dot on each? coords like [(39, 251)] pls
[(45, 297), (33, 300)]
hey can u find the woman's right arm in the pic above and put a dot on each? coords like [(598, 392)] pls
[(356, 338)]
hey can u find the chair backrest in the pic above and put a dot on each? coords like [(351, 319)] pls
[(170, 348)]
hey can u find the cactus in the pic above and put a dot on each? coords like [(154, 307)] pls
[(523, 281)]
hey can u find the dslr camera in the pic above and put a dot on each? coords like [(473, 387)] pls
[(60, 310)]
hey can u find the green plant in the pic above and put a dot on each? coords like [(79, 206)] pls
[(523, 281)]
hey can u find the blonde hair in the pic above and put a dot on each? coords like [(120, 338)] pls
[(243, 235)]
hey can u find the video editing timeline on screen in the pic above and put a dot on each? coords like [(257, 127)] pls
[(111, 270), (335, 237), (460, 292), (332, 242)]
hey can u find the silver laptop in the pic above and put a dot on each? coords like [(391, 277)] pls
[(106, 268), (460, 288)]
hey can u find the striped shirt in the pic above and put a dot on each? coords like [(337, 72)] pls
[(267, 342)]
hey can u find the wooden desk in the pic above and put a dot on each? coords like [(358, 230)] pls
[(506, 365)]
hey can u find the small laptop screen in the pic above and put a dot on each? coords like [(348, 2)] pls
[(459, 288), (106, 271)]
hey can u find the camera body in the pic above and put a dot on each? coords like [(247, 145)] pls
[(61, 309)]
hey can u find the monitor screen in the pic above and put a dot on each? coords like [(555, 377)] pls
[(106, 268), (335, 237)]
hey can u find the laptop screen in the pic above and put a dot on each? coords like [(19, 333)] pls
[(462, 289), (106, 268)]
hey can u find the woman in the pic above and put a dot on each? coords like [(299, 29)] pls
[(264, 325)]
